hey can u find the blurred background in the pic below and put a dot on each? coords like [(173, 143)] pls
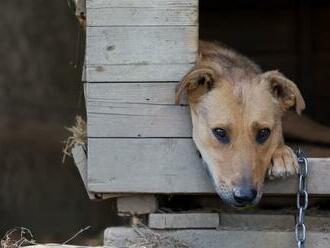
[(41, 93)]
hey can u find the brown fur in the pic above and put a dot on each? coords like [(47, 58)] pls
[(227, 90)]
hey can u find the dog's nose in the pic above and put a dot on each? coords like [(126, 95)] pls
[(244, 195)]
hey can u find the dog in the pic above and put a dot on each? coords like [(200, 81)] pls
[(237, 112)]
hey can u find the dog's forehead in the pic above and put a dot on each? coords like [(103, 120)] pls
[(258, 101), (249, 103)]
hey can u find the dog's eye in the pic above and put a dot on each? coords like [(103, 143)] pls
[(221, 135), (262, 135)]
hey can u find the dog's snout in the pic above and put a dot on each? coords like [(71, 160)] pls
[(244, 195)]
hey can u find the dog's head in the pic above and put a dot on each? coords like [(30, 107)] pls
[(237, 126)]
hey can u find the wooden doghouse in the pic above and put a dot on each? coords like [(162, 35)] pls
[(139, 141)]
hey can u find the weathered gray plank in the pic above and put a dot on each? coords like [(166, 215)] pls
[(137, 72), (141, 3), (183, 220), (136, 205), (113, 107), (162, 13), (141, 45), (131, 92), (144, 165), (170, 166), (140, 53), (257, 220), (142, 40), (199, 238), (80, 159), (320, 222), (137, 120)]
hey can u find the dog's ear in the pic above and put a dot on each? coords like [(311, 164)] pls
[(196, 83), (285, 90)]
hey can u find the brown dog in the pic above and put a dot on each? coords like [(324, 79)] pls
[(236, 113)]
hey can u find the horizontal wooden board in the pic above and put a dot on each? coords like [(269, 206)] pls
[(90, 4), (141, 17), (140, 53), (132, 92), (145, 40), (137, 72), (183, 220), (142, 13), (138, 120), (170, 166), (204, 238), (112, 108), (141, 45), (257, 220)]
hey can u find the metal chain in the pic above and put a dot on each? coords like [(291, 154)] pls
[(302, 199)]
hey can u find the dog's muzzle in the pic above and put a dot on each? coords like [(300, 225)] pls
[(237, 197)]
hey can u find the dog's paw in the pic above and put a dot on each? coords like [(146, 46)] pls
[(284, 163)]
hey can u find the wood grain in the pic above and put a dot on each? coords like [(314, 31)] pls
[(156, 15), (233, 238), (143, 40), (112, 109), (137, 72), (133, 92), (141, 45), (141, 3), (183, 220), (171, 166)]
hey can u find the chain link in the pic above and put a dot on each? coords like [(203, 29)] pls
[(302, 199)]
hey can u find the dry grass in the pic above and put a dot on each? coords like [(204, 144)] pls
[(17, 237), (151, 239), (78, 136), (21, 237), (147, 238)]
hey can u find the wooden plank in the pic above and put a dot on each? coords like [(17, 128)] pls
[(257, 220), (80, 160), (142, 13), (113, 107), (141, 45), (137, 72), (116, 120), (136, 205), (131, 92), (159, 165), (140, 53), (133, 120), (183, 220), (141, 17), (141, 3), (321, 222), (202, 238), (144, 165), (143, 40)]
